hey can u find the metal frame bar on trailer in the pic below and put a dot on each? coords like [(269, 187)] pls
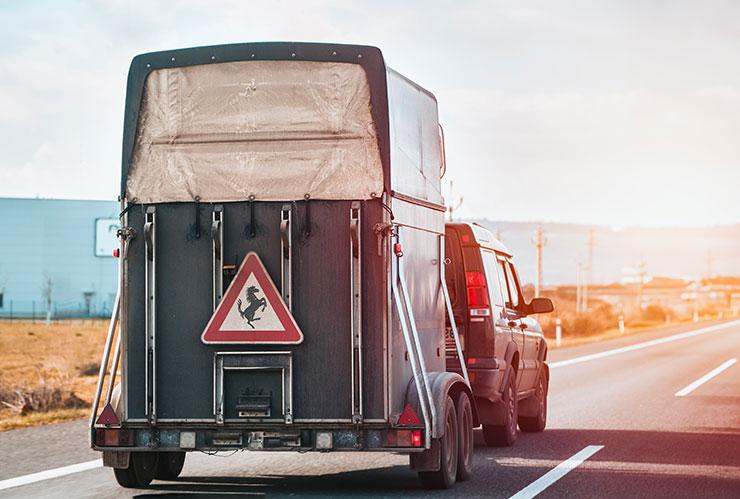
[(356, 310), (411, 338), (150, 392)]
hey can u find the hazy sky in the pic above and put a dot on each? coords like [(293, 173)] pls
[(608, 112)]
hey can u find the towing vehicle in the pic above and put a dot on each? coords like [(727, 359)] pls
[(281, 266)]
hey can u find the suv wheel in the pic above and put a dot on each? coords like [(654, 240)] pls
[(505, 435), (536, 423)]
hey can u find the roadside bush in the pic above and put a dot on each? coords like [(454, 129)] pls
[(654, 313), (52, 392), (597, 320)]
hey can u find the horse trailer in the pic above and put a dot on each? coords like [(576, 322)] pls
[(281, 275)]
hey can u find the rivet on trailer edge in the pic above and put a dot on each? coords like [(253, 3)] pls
[(359, 56), (292, 54), (148, 65), (173, 59), (213, 57), (252, 55), (334, 53)]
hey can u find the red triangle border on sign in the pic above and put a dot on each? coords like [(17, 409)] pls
[(291, 335)]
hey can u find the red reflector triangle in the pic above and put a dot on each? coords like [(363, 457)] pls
[(108, 416), (409, 417), (252, 310)]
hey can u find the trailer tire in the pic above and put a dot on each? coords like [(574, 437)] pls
[(169, 465), (140, 472), (445, 476), (465, 441), (504, 435), (537, 423)]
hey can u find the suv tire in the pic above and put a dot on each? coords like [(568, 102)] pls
[(537, 423), (505, 435)]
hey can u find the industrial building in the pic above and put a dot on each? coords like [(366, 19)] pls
[(56, 257)]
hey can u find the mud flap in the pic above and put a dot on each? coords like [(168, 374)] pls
[(116, 459), (429, 460)]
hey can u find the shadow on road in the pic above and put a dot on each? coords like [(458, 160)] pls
[(632, 463)]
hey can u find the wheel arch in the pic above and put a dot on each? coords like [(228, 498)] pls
[(442, 384)]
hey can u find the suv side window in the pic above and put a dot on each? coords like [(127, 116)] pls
[(514, 291), (492, 279), (501, 268)]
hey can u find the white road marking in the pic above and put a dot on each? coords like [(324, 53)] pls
[(711, 374), (48, 474), (646, 344), (556, 473)]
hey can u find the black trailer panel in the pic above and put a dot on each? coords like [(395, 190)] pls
[(321, 305)]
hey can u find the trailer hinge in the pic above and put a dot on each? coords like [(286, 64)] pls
[(382, 230)]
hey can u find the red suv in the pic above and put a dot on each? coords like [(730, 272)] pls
[(503, 346)]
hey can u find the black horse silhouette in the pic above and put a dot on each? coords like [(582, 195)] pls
[(254, 303)]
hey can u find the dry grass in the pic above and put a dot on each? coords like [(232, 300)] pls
[(47, 373)]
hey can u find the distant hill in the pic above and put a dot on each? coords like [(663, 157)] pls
[(681, 253)]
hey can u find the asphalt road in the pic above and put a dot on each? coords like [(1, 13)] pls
[(618, 395)]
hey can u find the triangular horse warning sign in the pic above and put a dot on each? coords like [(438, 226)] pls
[(252, 310)]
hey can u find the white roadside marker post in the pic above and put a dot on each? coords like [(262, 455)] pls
[(558, 332), (621, 324)]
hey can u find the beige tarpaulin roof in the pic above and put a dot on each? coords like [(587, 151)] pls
[(275, 130)]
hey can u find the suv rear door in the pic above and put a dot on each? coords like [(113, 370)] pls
[(512, 297), (502, 332)]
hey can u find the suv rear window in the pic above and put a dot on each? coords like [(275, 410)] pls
[(494, 290)]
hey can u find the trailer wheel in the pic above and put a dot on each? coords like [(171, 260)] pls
[(505, 435), (169, 465), (465, 437), (537, 423), (444, 477), (140, 472)]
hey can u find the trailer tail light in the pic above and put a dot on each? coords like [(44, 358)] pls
[(416, 438), (478, 303), (116, 253), (402, 438), (114, 437)]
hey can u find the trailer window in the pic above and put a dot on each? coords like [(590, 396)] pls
[(264, 130)]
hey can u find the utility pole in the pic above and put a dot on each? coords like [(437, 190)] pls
[(539, 241), (589, 268), (452, 206)]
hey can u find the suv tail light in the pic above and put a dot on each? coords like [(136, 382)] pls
[(478, 303)]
